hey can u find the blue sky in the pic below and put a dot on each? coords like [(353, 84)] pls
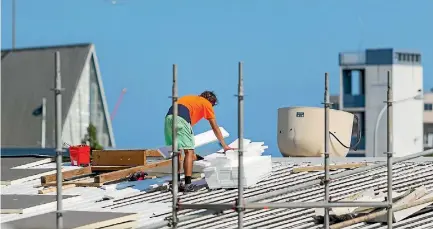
[(286, 47)]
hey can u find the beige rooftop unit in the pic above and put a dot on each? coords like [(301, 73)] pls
[(301, 131)]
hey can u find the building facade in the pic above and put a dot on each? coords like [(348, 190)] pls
[(428, 120), (363, 86), (28, 77)]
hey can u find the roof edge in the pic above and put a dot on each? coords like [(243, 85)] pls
[(47, 47), (319, 160), (103, 96)]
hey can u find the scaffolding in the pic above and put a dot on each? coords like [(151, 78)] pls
[(58, 130), (240, 205)]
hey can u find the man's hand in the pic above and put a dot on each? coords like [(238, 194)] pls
[(227, 148)]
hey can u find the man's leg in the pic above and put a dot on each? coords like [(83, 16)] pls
[(179, 166), (187, 165), (186, 142), (168, 133)]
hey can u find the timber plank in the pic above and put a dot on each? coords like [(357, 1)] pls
[(331, 167), (79, 183), (109, 167), (66, 174), (153, 153), (121, 157), (121, 174)]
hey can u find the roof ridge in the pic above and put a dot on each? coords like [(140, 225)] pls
[(48, 47)]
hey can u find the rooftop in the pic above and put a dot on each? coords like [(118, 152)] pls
[(382, 56), (153, 205)]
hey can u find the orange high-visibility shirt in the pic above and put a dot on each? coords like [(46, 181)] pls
[(198, 107)]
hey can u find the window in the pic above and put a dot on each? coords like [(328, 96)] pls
[(428, 139), (428, 106), (400, 57), (93, 102)]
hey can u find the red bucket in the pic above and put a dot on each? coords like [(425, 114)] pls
[(79, 155)]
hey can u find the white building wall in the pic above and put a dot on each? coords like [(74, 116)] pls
[(375, 95), (77, 119), (408, 114), (428, 115), (428, 122)]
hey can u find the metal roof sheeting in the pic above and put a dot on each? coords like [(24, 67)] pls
[(154, 207)]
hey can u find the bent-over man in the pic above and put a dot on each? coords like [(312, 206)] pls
[(191, 109)]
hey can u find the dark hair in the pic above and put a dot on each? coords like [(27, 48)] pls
[(210, 96)]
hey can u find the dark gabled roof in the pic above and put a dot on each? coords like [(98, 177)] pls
[(28, 76)]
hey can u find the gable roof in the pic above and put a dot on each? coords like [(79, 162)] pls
[(27, 77)]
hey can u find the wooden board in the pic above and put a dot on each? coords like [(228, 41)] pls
[(153, 153), (66, 175), (99, 168), (89, 182), (122, 157), (121, 174), (331, 167), (74, 220)]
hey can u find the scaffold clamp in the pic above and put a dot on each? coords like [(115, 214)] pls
[(171, 222), (237, 208), (323, 181), (178, 204)]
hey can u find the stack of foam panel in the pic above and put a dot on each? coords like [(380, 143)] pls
[(221, 170)]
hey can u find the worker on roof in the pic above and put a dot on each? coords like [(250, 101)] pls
[(191, 109)]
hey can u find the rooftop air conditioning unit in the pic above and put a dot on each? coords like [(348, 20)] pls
[(301, 132)]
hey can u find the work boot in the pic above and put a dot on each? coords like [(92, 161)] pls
[(179, 187), (189, 188)]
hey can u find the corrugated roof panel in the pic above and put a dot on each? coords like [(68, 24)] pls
[(405, 175), (155, 206)]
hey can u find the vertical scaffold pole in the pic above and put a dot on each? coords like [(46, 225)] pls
[(175, 153), (326, 158), (59, 145), (389, 147), (240, 201)]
